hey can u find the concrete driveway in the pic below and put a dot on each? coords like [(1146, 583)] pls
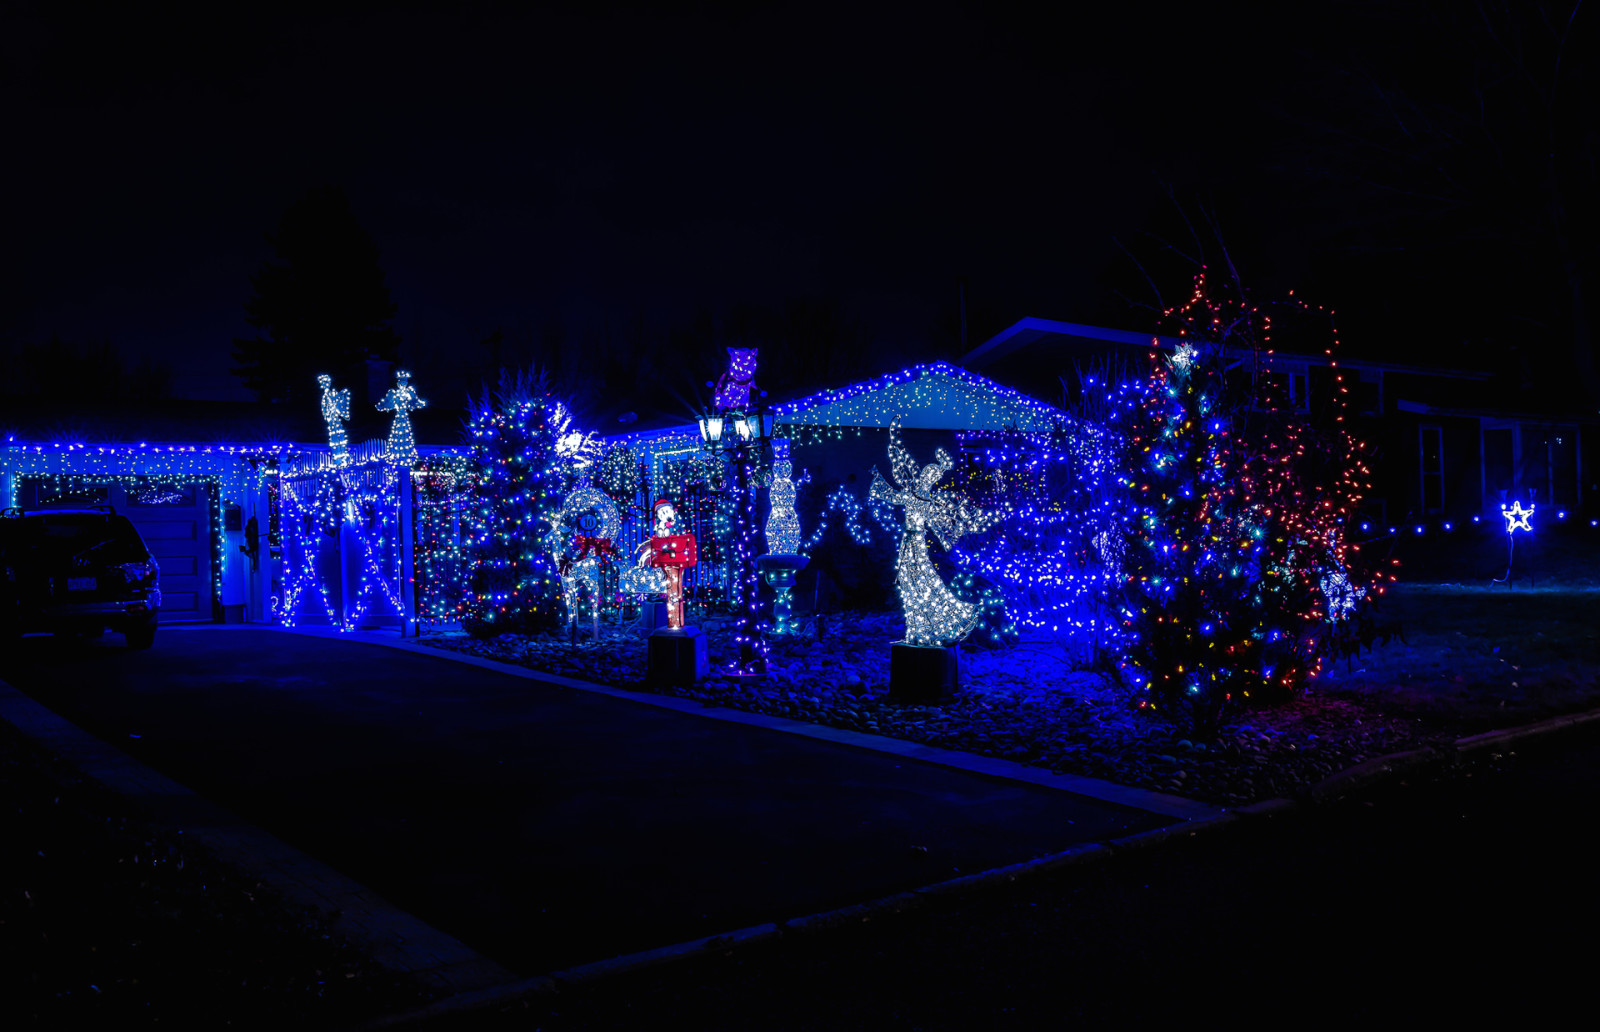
[(540, 824)]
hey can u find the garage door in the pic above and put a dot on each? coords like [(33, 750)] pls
[(175, 522)]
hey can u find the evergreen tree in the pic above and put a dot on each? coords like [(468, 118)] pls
[(1235, 512), (323, 306), (514, 585)]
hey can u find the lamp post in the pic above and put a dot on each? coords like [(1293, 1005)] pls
[(742, 437)]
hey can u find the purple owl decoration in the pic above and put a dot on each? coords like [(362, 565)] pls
[(733, 387)]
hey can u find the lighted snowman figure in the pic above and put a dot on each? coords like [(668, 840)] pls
[(672, 553)]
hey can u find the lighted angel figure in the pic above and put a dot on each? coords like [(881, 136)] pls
[(934, 615), (335, 411), (402, 400)]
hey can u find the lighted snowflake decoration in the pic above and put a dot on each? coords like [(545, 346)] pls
[(1341, 595), (1183, 356), (1517, 517)]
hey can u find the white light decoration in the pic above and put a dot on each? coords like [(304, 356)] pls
[(402, 400), (1182, 356), (1517, 517), (1341, 596), (580, 448), (783, 524), (583, 537), (335, 410), (934, 615)]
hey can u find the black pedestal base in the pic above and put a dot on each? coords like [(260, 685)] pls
[(923, 673), (678, 657)]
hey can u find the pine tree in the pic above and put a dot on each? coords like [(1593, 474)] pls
[(514, 585), (1234, 522), (322, 307)]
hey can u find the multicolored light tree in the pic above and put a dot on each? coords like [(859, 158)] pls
[(522, 476), (1234, 514)]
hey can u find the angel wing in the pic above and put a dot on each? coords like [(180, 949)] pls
[(881, 491), (902, 467), (952, 518)]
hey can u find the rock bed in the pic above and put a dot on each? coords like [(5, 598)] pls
[(1024, 703)]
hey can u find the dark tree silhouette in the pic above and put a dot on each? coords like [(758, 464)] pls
[(1460, 159), (322, 306)]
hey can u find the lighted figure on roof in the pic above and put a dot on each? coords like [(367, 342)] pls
[(402, 400), (1517, 517), (671, 553), (934, 615), (335, 410), (733, 387)]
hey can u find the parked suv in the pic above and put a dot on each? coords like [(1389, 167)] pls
[(77, 571)]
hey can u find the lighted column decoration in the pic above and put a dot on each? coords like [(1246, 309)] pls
[(402, 400), (742, 437), (584, 540), (782, 561), (335, 410)]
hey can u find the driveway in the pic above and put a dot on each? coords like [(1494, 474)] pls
[(540, 824)]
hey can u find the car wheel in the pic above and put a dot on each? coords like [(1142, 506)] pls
[(141, 637)]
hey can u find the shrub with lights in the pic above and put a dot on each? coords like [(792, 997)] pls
[(1040, 570), (522, 461), (1234, 559)]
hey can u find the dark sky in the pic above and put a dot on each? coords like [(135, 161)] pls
[(594, 163)]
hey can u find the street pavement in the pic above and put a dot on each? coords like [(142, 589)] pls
[(542, 825), (1464, 900)]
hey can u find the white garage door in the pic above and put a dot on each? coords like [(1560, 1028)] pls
[(175, 522)]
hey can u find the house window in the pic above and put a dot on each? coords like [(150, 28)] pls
[(1285, 391), (1499, 465), (1432, 465)]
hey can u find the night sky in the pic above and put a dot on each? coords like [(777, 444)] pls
[(558, 174)]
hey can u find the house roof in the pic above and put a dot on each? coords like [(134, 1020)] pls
[(926, 396), (1030, 333)]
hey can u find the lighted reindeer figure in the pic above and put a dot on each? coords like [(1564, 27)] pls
[(582, 540), (934, 615)]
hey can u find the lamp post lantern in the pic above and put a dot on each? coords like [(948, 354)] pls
[(743, 437)]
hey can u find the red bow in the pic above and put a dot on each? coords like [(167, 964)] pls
[(600, 546)]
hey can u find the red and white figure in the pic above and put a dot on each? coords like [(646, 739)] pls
[(671, 553)]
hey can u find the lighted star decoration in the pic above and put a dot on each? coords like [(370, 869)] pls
[(1517, 517), (1182, 356)]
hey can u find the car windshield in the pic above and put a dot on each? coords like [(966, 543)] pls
[(78, 536)]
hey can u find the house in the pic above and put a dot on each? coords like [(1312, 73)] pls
[(834, 438), (1448, 444), (211, 488)]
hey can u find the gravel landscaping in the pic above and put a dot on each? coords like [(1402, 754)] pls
[(1474, 659)]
